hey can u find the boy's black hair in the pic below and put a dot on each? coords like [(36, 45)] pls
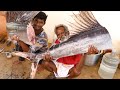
[(41, 15)]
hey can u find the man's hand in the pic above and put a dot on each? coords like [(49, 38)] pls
[(47, 57), (92, 50)]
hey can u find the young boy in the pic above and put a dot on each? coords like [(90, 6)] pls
[(40, 36)]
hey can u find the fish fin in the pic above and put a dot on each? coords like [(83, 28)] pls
[(84, 21)]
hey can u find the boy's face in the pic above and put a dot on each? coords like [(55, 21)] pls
[(38, 23)]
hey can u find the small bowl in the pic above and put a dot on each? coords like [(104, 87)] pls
[(91, 60)]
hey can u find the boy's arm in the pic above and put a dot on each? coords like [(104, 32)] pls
[(24, 46)]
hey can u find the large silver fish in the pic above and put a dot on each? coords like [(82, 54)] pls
[(87, 32)]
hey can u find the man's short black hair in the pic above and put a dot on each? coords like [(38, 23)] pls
[(41, 15)]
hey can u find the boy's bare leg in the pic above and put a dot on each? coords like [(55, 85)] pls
[(23, 47)]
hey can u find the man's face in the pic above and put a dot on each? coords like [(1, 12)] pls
[(60, 32), (38, 24)]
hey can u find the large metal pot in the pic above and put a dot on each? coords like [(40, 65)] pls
[(91, 60)]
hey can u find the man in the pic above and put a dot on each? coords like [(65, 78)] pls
[(67, 67), (40, 36)]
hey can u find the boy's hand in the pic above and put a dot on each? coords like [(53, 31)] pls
[(15, 37)]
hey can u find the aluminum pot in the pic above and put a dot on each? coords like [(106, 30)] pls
[(92, 59)]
